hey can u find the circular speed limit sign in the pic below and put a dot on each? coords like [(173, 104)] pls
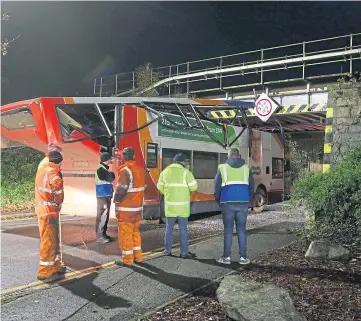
[(264, 107)]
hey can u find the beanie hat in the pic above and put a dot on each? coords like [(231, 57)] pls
[(55, 157), (128, 151), (104, 157), (179, 158)]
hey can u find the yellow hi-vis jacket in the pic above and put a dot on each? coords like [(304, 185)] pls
[(176, 183)]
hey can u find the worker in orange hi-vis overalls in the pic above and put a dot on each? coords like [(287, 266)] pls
[(128, 200), (49, 196)]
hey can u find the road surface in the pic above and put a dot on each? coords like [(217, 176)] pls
[(20, 242)]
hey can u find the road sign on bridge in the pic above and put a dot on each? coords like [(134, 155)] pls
[(293, 118), (265, 107)]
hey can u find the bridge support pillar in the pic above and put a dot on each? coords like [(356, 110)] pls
[(343, 122)]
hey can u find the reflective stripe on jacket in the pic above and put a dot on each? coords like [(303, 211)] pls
[(49, 193), (102, 188), (235, 183), (44, 162), (131, 180), (176, 183)]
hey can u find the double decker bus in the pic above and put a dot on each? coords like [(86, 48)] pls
[(157, 129)]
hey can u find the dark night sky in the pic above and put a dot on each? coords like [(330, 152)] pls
[(63, 41)]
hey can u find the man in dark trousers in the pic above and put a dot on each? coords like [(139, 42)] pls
[(104, 192), (233, 190)]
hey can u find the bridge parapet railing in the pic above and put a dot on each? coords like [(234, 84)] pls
[(306, 60)]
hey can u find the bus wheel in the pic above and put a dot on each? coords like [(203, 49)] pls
[(260, 200)]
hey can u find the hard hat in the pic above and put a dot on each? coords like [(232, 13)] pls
[(128, 151)]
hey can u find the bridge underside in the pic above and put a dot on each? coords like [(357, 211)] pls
[(293, 118)]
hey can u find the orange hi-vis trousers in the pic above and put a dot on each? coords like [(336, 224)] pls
[(49, 245), (130, 242)]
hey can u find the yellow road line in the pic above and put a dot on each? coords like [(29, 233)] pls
[(72, 275)]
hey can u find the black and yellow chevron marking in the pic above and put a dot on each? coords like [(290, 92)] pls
[(327, 147), (289, 109)]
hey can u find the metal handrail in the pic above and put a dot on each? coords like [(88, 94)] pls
[(190, 72)]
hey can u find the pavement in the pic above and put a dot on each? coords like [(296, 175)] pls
[(122, 293)]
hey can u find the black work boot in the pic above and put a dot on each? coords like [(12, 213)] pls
[(189, 255), (103, 240), (108, 237), (120, 263), (54, 277), (62, 270)]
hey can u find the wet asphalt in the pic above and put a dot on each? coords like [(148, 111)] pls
[(20, 241), (123, 293)]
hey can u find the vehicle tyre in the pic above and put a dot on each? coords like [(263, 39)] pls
[(260, 200)]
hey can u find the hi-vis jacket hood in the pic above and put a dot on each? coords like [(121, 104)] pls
[(235, 163)]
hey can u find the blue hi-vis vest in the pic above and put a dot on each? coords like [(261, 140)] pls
[(102, 188), (235, 183)]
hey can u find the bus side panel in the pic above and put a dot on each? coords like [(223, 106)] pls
[(134, 118), (78, 168), (35, 135), (81, 160)]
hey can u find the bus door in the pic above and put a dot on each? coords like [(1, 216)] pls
[(153, 168)]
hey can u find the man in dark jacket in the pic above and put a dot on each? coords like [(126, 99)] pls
[(104, 192), (233, 190)]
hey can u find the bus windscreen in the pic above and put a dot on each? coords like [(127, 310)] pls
[(79, 122)]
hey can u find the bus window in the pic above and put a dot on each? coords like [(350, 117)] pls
[(152, 155), (168, 155), (17, 119), (205, 165), (222, 158), (80, 121), (277, 168), (108, 111)]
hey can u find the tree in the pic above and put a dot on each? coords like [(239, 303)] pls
[(145, 76), (5, 44)]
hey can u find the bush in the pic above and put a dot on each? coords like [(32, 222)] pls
[(18, 170), (334, 198)]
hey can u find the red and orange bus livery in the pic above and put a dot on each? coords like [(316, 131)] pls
[(82, 126)]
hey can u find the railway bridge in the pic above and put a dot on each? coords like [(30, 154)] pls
[(304, 78), (299, 77)]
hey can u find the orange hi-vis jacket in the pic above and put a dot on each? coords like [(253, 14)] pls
[(49, 193), (49, 196), (130, 187)]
